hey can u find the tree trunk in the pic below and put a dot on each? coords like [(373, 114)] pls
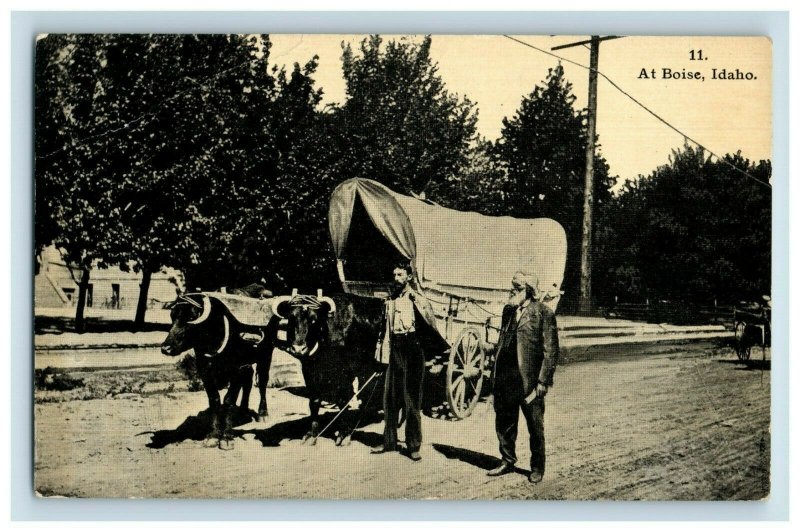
[(83, 288), (141, 306)]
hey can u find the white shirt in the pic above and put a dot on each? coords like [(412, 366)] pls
[(403, 314), (522, 308)]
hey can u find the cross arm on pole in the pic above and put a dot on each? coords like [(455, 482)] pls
[(588, 41)]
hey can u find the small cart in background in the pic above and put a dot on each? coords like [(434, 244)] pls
[(751, 326)]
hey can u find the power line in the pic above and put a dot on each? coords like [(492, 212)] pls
[(643, 106)]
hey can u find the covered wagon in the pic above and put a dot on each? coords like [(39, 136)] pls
[(463, 263)]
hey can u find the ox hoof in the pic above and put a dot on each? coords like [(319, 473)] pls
[(263, 412), (211, 442), (309, 439), (226, 445), (342, 440)]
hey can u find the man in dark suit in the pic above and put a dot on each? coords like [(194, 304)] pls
[(527, 354)]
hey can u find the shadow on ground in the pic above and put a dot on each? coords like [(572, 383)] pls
[(198, 427), (480, 460), (749, 365), (296, 429), (473, 458)]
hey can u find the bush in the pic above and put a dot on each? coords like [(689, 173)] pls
[(188, 367), (48, 379)]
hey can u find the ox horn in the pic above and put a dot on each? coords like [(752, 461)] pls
[(206, 312), (276, 302), (330, 303)]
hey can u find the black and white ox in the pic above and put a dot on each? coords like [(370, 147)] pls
[(334, 338), (225, 352)]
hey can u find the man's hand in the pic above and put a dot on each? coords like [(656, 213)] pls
[(539, 391)]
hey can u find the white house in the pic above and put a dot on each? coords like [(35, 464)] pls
[(56, 285)]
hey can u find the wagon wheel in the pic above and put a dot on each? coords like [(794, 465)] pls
[(465, 372), (742, 347)]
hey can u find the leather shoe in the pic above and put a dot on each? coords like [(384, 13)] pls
[(414, 455), (502, 469), (535, 477), (383, 449)]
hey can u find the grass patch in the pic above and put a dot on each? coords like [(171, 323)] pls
[(188, 367), (107, 384), (49, 379)]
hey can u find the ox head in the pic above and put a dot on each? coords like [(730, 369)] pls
[(306, 321), (188, 314)]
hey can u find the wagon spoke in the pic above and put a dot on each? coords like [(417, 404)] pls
[(472, 347), (465, 344), (466, 365), (460, 354), (459, 395), (475, 361), (468, 393)]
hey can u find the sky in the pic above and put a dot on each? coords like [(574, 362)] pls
[(496, 73)]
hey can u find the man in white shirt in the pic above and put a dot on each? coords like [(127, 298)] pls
[(409, 323)]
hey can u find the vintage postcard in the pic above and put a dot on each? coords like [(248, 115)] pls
[(403, 267)]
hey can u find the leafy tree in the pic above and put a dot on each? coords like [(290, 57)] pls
[(399, 124), (75, 196), (542, 151), (202, 147), (279, 232), (694, 230), (49, 85), (480, 186)]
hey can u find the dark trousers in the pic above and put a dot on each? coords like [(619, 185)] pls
[(403, 388), (508, 401)]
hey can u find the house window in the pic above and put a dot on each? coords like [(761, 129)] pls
[(114, 295), (70, 293), (89, 295)]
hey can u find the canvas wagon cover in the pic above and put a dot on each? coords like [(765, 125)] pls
[(449, 248)]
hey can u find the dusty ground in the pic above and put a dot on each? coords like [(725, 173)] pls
[(687, 422)]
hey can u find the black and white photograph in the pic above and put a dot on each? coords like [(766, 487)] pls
[(379, 266)]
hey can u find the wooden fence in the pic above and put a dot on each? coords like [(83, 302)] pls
[(671, 312)]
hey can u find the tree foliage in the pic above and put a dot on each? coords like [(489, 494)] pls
[(399, 124), (169, 150), (272, 222), (695, 230), (194, 151), (537, 169)]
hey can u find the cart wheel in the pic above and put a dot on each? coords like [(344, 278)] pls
[(742, 345), (465, 372)]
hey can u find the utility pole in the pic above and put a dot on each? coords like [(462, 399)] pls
[(585, 303)]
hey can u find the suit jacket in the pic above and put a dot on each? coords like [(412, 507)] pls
[(536, 335), (424, 323)]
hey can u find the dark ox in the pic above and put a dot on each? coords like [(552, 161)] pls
[(225, 352), (334, 338)]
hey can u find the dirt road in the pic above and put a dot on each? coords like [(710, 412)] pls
[(685, 423)]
